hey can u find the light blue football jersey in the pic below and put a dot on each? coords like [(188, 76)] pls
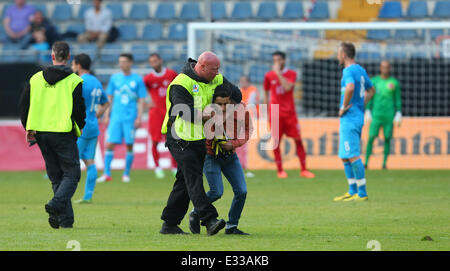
[(358, 76), (93, 95), (126, 90)]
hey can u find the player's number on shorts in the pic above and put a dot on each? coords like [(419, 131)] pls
[(346, 146), (74, 245), (374, 245), (361, 90), (96, 93)]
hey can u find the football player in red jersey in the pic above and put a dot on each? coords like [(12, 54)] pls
[(280, 82), (157, 82)]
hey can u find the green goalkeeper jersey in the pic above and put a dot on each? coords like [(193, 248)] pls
[(387, 98)]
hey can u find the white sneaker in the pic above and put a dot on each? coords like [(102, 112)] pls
[(104, 178), (250, 174), (159, 173), (126, 179)]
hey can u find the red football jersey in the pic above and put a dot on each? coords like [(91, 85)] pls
[(278, 95), (157, 84)]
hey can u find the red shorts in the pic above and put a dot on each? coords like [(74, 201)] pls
[(287, 125), (155, 122)]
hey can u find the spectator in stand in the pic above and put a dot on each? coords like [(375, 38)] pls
[(40, 44), (39, 23), (98, 21), (17, 23)]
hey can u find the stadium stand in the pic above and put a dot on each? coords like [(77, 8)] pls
[(161, 26)]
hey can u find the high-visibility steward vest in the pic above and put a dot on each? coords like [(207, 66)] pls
[(202, 94), (51, 105)]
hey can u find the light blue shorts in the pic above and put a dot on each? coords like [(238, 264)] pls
[(120, 130), (86, 147)]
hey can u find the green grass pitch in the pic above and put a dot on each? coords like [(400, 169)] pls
[(289, 214)]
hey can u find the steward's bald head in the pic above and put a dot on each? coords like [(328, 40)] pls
[(207, 66)]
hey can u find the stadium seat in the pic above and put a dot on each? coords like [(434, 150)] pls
[(110, 53), (5, 7), (378, 34), (257, 72), (405, 34), (165, 11), (103, 78), (368, 55), (417, 10), (127, 32), (140, 53), (190, 11), (267, 11), (89, 48), (297, 54), (442, 9), (75, 28), (218, 11), (82, 10), (116, 10), (242, 52), (167, 52), (183, 53), (233, 72), (391, 10), (319, 11), (178, 67), (394, 51), (152, 32), (62, 12), (242, 11), (310, 33), (2, 34), (139, 12), (177, 31), (266, 51), (435, 33), (41, 7), (293, 10)]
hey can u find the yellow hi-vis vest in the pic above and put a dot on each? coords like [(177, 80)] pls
[(51, 105), (202, 94)]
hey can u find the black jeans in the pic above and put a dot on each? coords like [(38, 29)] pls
[(62, 162), (190, 157)]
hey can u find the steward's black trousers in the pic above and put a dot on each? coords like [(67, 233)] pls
[(62, 162), (190, 157)]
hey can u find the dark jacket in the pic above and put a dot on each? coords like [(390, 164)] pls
[(179, 95), (52, 75)]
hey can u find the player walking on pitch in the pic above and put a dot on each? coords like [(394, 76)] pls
[(384, 109), (280, 81), (126, 92), (157, 82), (355, 82), (96, 104)]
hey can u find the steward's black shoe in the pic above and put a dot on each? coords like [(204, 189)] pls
[(214, 225), (53, 216), (235, 230), (194, 223), (171, 229)]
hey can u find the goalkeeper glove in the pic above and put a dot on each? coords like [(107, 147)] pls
[(398, 118), (367, 116)]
